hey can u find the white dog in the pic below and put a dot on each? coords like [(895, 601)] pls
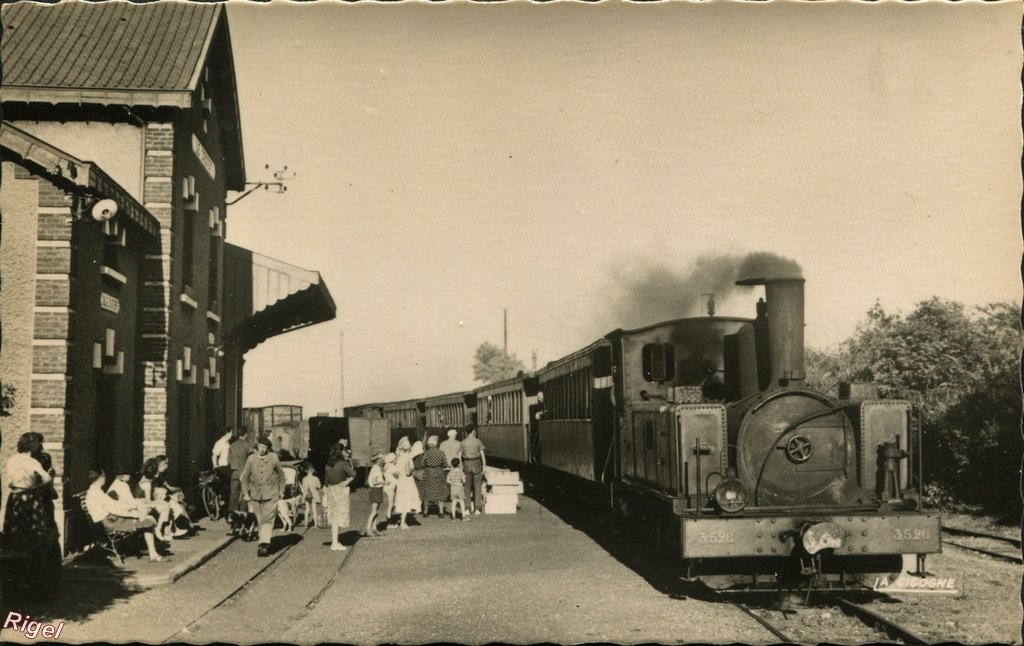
[(284, 512)]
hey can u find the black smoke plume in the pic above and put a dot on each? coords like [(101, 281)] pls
[(658, 293)]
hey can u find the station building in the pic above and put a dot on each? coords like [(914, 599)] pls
[(126, 315)]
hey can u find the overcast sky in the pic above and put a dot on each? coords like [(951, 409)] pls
[(453, 160)]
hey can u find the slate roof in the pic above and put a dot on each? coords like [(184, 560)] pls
[(157, 46), (122, 53)]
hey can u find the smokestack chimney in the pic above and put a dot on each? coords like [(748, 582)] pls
[(785, 304)]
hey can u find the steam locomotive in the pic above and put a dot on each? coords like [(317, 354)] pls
[(705, 426)]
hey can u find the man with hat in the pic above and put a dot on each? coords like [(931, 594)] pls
[(451, 447), (262, 480)]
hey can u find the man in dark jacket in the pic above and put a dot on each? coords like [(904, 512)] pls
[(262, 480), (238, 453)]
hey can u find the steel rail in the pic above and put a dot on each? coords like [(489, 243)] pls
[(996, 555), (878, 621), (783, 637), (278, 556), (973, 534)]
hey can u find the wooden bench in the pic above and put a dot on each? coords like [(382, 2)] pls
[(106, 540)]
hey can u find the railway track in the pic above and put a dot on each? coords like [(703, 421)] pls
[(796, 631), (275, 559), (998, 547), (875, 620)]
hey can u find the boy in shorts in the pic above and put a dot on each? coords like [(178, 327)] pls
[(375, 480), (457, 480)]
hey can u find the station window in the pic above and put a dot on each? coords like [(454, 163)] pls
[(112, 254), (659, 362)]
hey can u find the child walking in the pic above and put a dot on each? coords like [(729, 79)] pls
[(457, 480), (312, 495), (375, 480)]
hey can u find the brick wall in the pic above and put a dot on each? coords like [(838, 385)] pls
[(156, 295)]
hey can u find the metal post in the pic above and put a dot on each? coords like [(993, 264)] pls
[(700, 496)]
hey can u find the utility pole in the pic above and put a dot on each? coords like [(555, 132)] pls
[(535, 361), (505, 347), (341, 362)]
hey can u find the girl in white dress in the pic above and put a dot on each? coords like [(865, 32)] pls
[(407, 498)]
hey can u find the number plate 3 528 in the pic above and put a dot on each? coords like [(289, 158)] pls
[(715, 538), (915, 534)]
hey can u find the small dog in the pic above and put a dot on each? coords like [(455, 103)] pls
[(244, 525), (284, 512)]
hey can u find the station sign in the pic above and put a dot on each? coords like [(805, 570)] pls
[(204, 157), (904, 582), (110, 303)]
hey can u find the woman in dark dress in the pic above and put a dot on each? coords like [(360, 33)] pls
[(338, 474), (416, 456), (30, 530), (434, 483)]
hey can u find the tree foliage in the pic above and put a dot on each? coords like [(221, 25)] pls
[(492, 364), (962, 372), (7, 394)]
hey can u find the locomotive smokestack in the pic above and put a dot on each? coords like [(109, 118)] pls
[(785, 305)]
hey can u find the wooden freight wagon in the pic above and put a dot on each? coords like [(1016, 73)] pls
[(366, 437), (324, 432)]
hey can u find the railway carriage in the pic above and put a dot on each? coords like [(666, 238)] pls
[(575, 427), (442, 412), (506, 419), (405, 419), (367, 411)]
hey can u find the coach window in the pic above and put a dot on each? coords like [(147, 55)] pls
[(659, 362)]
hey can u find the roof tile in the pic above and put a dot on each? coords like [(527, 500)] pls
[(107, 45)]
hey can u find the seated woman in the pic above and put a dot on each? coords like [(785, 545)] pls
[(119, 515), (121, 489), (154, 484)]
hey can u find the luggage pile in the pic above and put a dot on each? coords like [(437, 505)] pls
[(503, 488)]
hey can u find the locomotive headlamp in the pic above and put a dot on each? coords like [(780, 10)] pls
[(730, 494)]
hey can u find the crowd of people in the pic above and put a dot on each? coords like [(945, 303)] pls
[(417, 480), (445, 477)]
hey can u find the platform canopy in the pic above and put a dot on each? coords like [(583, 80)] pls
[(265, 297), (72, 174)]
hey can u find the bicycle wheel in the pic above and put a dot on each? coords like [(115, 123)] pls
[(211, 502)]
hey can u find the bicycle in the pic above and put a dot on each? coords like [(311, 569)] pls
[(209, 489)]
